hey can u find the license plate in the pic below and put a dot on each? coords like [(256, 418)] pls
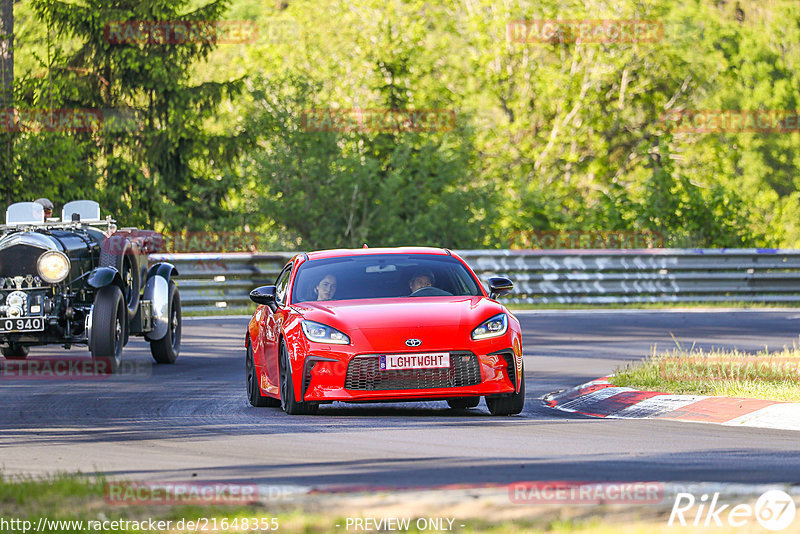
[(21, 324), (432, 360)]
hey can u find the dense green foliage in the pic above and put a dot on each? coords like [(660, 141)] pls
[(552, 135), (151, 151)]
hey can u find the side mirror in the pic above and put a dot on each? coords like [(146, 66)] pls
[(499, 285), (264, 295)]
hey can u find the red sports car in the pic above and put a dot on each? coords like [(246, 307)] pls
[(374, 325)]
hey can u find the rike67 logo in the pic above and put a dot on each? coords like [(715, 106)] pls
[(774, 510)]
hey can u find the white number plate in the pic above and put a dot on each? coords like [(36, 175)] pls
[(432, 360), (21, 324)]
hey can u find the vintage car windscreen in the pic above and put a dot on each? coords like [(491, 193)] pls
[(25, 213), (382, 276), (82, 210)]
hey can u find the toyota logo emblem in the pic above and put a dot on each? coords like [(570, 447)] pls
[(413, 342)]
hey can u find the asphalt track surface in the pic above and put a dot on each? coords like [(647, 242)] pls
[(191, 421)]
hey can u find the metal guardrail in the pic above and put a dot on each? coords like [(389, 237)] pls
[(216, 281), (223, 280)]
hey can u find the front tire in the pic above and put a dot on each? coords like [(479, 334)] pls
[(15, 352), (167, 349), (109, 329), (288, 402), (253, 391), (509, 404)]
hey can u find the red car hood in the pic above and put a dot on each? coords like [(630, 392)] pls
[(441, 323)]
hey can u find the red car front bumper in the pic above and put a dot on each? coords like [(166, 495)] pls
[(340, 375)]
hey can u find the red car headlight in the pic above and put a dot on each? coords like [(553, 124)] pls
[(493, 327), (321, 333)]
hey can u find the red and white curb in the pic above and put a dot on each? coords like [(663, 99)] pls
[(599, 398)]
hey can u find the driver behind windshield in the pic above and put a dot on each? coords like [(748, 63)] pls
[(421, 280), (47, 205), (326, 288)]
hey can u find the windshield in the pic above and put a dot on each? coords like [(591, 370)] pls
[(25, 213), (383, 276), (81, 210)]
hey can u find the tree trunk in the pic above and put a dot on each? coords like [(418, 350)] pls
[(6, 97), (6, 52)]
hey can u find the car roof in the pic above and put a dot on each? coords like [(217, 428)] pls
[(343, 252)]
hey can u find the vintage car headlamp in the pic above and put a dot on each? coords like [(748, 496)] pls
[(493, 327), (321, 333), (53, 266)]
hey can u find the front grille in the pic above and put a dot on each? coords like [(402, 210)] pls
[(19, 260), (364, 374)]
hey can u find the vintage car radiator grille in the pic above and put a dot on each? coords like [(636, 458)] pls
[(364, 374), (19, 260)]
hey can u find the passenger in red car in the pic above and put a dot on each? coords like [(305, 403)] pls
[(326, 288)]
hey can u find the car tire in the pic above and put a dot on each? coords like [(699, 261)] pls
[(463, 403), (167, 349), (508, 404), (253, 390), (15, 352), (117, 252), (288, 402), (109, 326)]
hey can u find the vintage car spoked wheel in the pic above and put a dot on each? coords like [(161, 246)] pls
[(15, 352), (109, 326), (463, 403), (508, 404), (117, 253), (288, 402), (253, 391), (167, 349)]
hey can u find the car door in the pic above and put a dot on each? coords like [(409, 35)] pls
[(271, 328)]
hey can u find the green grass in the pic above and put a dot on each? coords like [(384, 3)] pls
[(728, 373)]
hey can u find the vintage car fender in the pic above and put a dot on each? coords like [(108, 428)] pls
[(105, 276), (156, 290)]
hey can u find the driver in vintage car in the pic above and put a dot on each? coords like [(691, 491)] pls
[(81, 281), (48, 207)]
